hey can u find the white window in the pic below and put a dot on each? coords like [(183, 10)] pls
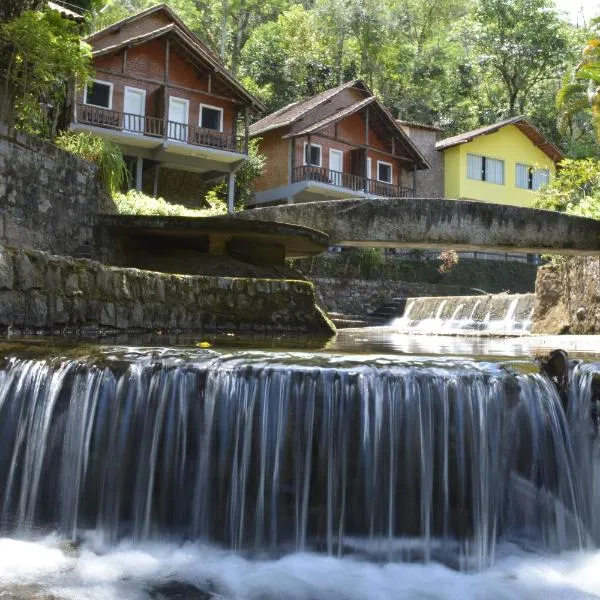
[(369, 167), (211, 117), (541, 177), (483, 168), (529, 178), (98, 93), (315, 158), (384, 171)]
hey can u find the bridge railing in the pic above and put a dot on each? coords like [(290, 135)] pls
[(350, 182)]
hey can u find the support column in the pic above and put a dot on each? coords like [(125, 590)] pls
[(156, 172), (166, 90), (414, 181), (246, 129), (230, 192), (139, 167), (366, 166)]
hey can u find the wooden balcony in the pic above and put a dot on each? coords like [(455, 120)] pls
[(155, 127), (350, 182)]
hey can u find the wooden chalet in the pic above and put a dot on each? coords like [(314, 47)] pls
[(180, 118), (342, 143)]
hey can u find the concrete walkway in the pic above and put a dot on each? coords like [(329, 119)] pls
[(439, 223)]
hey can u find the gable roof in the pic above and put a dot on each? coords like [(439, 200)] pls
[(66, 12), (202, 55), (416, 125), (523, 124), (293, 112)]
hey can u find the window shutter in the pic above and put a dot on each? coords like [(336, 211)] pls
[(541, 177), (494, 171), (522, 179), (474, 166)]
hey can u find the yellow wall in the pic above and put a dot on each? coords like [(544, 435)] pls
[(508, 144)]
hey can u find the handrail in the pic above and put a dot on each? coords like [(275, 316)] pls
[(155, 127), (350, 181)]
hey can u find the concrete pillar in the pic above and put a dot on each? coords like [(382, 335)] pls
[(139, 167), (230, 192), (156, 171)]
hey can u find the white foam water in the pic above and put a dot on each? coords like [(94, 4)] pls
[(131, 572)]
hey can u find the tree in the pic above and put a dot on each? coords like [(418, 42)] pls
[(580, 93), (524, 44), (44, 55), (575, 190), (11, 9)]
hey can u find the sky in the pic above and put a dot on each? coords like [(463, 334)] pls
[(578, 10)]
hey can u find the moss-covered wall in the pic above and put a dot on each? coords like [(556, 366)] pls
[(43, 293)]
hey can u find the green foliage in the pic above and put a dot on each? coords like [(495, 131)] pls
[(575, 189), (107, 156), (580, 94), (41, 53), (524, 43), (244, 179), (138, 203)]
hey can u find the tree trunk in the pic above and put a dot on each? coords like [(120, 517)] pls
[(223, 42)]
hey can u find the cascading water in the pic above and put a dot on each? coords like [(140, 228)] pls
[(271, 456), (501, 314), (258, 454)]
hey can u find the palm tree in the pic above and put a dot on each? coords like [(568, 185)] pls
[(581, 92)]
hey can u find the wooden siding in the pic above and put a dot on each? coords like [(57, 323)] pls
[(145, 69), (276, 151), (136, 28)]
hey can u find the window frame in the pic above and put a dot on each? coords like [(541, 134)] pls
[(484, 171), (110, 85), (531, 171), (369, 167), (320, 147), (217, 108), (391, 166)]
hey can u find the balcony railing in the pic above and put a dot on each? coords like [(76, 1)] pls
[(350, 182), (155, 127)]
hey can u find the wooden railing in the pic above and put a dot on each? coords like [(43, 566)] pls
[(155, 127), (351, 182)]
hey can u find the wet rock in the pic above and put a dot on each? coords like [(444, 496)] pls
[(556, 367), (568, 297), (26, 592), (175, 590)]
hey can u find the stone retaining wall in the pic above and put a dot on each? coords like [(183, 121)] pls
[(568, 297), (362, 296), (48, 197), (42, 293)]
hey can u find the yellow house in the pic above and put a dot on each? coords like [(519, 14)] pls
[(505, 163)]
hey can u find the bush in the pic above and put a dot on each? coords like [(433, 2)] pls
[(138, 203), (575, 189), (107, 156)]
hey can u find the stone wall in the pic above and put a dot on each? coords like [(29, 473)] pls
[(568, 297), (430, 182), (361, 296), (48, 197), (42, 293)]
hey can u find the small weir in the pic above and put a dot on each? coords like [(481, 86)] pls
[(498, 314)]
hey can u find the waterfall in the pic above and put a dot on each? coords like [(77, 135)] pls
[(498, 314), (397, 459)]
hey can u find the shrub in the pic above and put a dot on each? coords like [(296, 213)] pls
[(138, 203), (106, 155)]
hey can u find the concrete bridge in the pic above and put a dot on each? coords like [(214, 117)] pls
[(439, 223)]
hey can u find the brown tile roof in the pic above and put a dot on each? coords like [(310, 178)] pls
[(523, 124), (416, 125), (184, 36), (336, 116), (66, 12), (296, 110)]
